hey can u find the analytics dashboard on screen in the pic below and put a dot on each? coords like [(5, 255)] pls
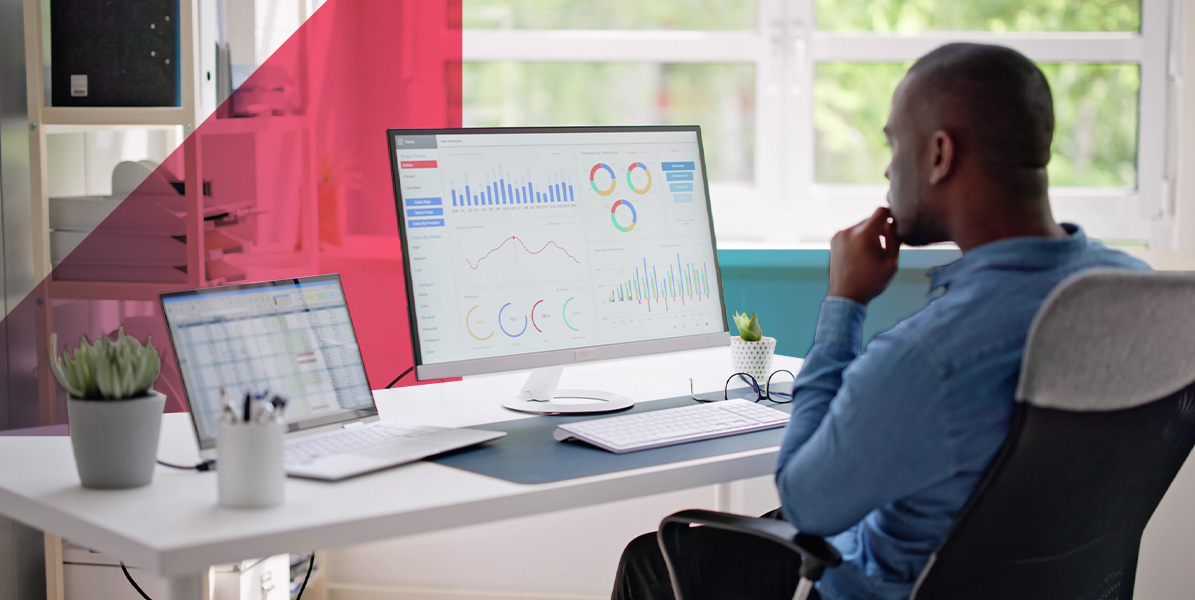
[(528, 242)]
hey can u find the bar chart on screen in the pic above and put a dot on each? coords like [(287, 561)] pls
[(500, 188), (676, 292)]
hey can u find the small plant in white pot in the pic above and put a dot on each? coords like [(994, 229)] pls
[(113, 413), (750, 351)]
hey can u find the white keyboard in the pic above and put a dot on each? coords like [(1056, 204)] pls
[(640, 431), (347, 441)]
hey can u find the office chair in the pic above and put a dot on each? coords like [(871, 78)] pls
[(1105, 417)]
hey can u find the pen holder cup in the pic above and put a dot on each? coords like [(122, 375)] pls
[(249, 470)]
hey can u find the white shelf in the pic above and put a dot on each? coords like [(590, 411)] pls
[(116, 115)]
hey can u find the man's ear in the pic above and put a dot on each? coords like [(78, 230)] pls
[(941, 154)]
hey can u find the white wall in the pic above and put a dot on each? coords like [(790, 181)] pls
[(256, 28), (1184, 239)]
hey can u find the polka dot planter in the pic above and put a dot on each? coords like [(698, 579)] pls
[(753, 358)]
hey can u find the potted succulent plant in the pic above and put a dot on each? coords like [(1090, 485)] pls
[(750, 351), (113, 413)]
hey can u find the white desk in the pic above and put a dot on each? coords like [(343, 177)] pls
[(174, 528)]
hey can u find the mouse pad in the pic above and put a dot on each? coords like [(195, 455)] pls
[(529, 454)]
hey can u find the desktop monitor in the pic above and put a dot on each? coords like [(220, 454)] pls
[(534, 248)]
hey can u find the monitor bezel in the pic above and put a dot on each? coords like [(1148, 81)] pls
[(347, 415), (564, 356)]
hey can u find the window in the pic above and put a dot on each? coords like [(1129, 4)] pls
[(791, 94)]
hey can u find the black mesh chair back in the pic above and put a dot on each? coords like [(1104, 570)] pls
[(1105, 419)]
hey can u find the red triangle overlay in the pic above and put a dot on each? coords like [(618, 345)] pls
[(302, 188)]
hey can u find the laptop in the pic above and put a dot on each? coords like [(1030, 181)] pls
[(293, 338)]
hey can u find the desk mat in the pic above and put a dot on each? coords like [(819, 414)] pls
[(529, 454)]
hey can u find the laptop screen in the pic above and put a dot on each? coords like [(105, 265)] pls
[(291, 337)]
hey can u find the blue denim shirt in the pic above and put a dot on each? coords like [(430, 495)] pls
[(884, 448)]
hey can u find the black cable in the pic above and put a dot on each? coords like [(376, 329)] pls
[(404, 374), (206, 465), (310, 565), (130, 578)]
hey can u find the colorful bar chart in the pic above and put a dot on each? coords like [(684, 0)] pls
[(499, 187), (663, 283)]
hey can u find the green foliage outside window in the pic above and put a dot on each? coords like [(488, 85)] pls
[(1095, 129), (883, 16), (1096, 106), (719, 97), (912, 16), (609, 14)]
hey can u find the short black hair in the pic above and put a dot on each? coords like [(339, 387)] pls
[(993, 95)]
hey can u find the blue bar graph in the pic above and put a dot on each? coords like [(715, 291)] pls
[(501, 187)]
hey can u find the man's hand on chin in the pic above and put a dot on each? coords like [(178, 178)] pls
[(861, 265)]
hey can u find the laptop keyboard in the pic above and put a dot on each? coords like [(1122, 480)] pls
[(347, 441)]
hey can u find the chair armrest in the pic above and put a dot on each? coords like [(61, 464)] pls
[(816, 553)]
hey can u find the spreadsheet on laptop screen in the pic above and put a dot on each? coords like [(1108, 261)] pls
[(292, 337)]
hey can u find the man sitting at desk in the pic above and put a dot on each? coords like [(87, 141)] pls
[(885, 447)]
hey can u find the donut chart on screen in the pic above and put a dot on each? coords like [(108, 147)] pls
[(630, 170), (469, 328), (593, 175), (533, 323), (515, 319), (614, 216)]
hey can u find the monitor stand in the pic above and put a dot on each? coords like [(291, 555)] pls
[(540, 395)]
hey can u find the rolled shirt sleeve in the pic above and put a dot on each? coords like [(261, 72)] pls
[(865, 430)]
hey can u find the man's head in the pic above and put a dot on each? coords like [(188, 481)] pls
[(970, 126)]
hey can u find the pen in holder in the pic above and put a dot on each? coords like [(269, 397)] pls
[(249, 469)]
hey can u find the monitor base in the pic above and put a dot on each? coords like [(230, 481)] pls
[(540, 396), (602, 402)]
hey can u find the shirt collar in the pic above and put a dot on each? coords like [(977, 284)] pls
[(1020, 252)]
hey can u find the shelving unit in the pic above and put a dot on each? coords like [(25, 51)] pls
[(180, 122), (49, 120)]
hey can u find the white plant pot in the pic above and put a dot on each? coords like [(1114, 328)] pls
[(752, 358), (115, 441)]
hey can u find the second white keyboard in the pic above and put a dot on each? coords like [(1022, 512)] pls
[(640, 431)]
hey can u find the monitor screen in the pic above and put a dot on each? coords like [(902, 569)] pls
[(291, 337), (526, 248)]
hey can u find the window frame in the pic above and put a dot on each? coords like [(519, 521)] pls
[(785, 48)]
